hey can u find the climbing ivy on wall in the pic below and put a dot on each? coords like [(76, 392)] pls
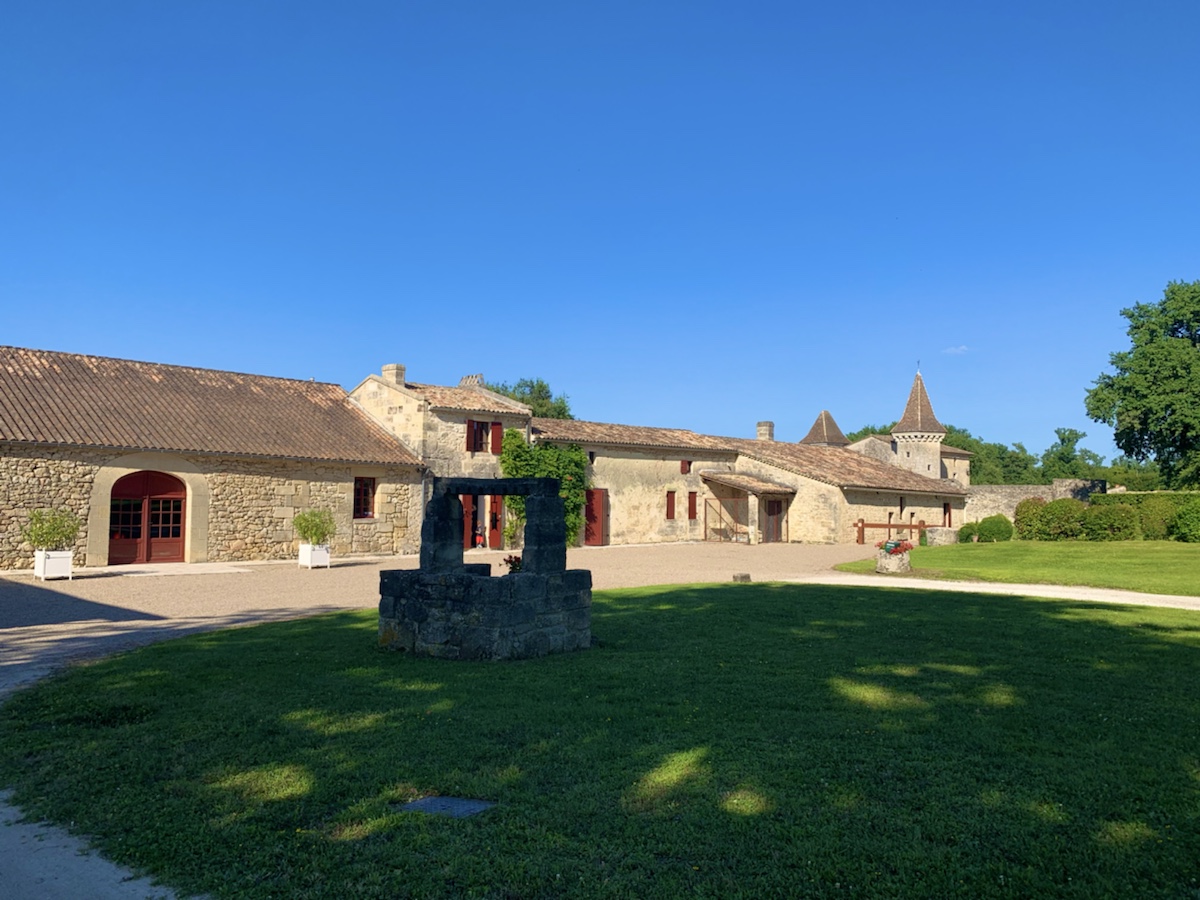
[(566, 463)]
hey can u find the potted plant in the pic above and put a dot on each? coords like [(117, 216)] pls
[(315, 527), (52, 532)]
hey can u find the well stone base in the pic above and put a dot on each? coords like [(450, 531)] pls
[(891, 563), (454, 615)]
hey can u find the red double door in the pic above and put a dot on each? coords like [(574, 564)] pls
[(483, 524), (146, 519)]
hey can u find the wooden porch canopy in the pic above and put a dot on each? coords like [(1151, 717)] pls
[(751, 484)]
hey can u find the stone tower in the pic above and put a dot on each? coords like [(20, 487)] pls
[(918, 435)]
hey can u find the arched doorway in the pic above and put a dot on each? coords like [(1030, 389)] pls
[(146, 519)]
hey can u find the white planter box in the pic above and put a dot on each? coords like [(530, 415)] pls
[(52, 564), (314, 555)]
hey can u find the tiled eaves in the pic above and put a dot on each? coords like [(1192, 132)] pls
[(835, 466), (413, 463)]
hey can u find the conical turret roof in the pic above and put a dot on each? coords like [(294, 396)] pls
[(825, 432), (918, 413)]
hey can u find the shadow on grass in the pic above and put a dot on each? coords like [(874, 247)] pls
[(722, 740)]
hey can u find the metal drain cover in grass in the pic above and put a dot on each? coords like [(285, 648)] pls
[(455, 807)]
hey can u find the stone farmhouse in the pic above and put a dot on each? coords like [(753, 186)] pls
[(177, 464)]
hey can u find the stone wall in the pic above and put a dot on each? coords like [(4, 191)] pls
[(985, 500), (253, 503), (637, 482), (466, 616), (874, 507), (246, 511), (41, 478)]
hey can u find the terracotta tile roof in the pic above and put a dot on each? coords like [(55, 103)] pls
[(467, 399), (825, 431), (845, 468), (749, 483), (918, 412), (830, 465), (96, 401), (580, 432)]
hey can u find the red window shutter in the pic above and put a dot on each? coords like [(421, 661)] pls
[(685, 467), (692, 505), (497, 437), (470, 435), (670, 504)]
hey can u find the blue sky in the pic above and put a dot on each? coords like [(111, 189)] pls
[(695, 214)]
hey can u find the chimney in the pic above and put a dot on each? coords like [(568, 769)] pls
[(393, 373), (766, 431)]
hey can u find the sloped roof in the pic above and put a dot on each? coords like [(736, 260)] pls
[(831, 465), (467, 398), (825, 431), (751, 484), (918, 412), (845, 468), (577, 431), (94, 401)]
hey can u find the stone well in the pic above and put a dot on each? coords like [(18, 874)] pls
[(451, 610)]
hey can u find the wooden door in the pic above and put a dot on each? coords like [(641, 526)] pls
[(468, 505), (146, 519), (496, 522), (773, 531), (595, 532)]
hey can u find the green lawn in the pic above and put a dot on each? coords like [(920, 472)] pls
[(721, 741), (1154, 567)]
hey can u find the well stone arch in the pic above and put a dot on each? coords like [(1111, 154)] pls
[(199, 499)]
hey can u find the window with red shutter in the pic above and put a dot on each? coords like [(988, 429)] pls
[(692, 505), (470, 435), (685, 467), (497, 437), (670, 504)]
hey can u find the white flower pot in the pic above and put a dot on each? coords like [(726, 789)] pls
[(52, 564), (314, 555)]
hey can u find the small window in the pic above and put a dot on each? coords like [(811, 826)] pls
[(592, 456), (685, 467), (692, 506), (477, 435), (670, 504), (364, 498)]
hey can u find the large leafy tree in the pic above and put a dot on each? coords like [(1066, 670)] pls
[(536, 394), (1152, 399), (1066, 459)]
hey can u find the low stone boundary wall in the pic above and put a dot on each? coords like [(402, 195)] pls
[(985, 500), (466, 616)]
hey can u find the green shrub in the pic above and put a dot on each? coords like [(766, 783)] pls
[(967, 532), (315, 526), (1060, 520), (52, 529), (1025, 517), (1186, 526), (1113, 522), (1157, 514), (995, 528)]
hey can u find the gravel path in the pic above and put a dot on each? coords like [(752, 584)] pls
[(44, 626)]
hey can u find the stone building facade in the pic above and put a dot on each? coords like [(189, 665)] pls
[(235, 458), (174, 463)]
